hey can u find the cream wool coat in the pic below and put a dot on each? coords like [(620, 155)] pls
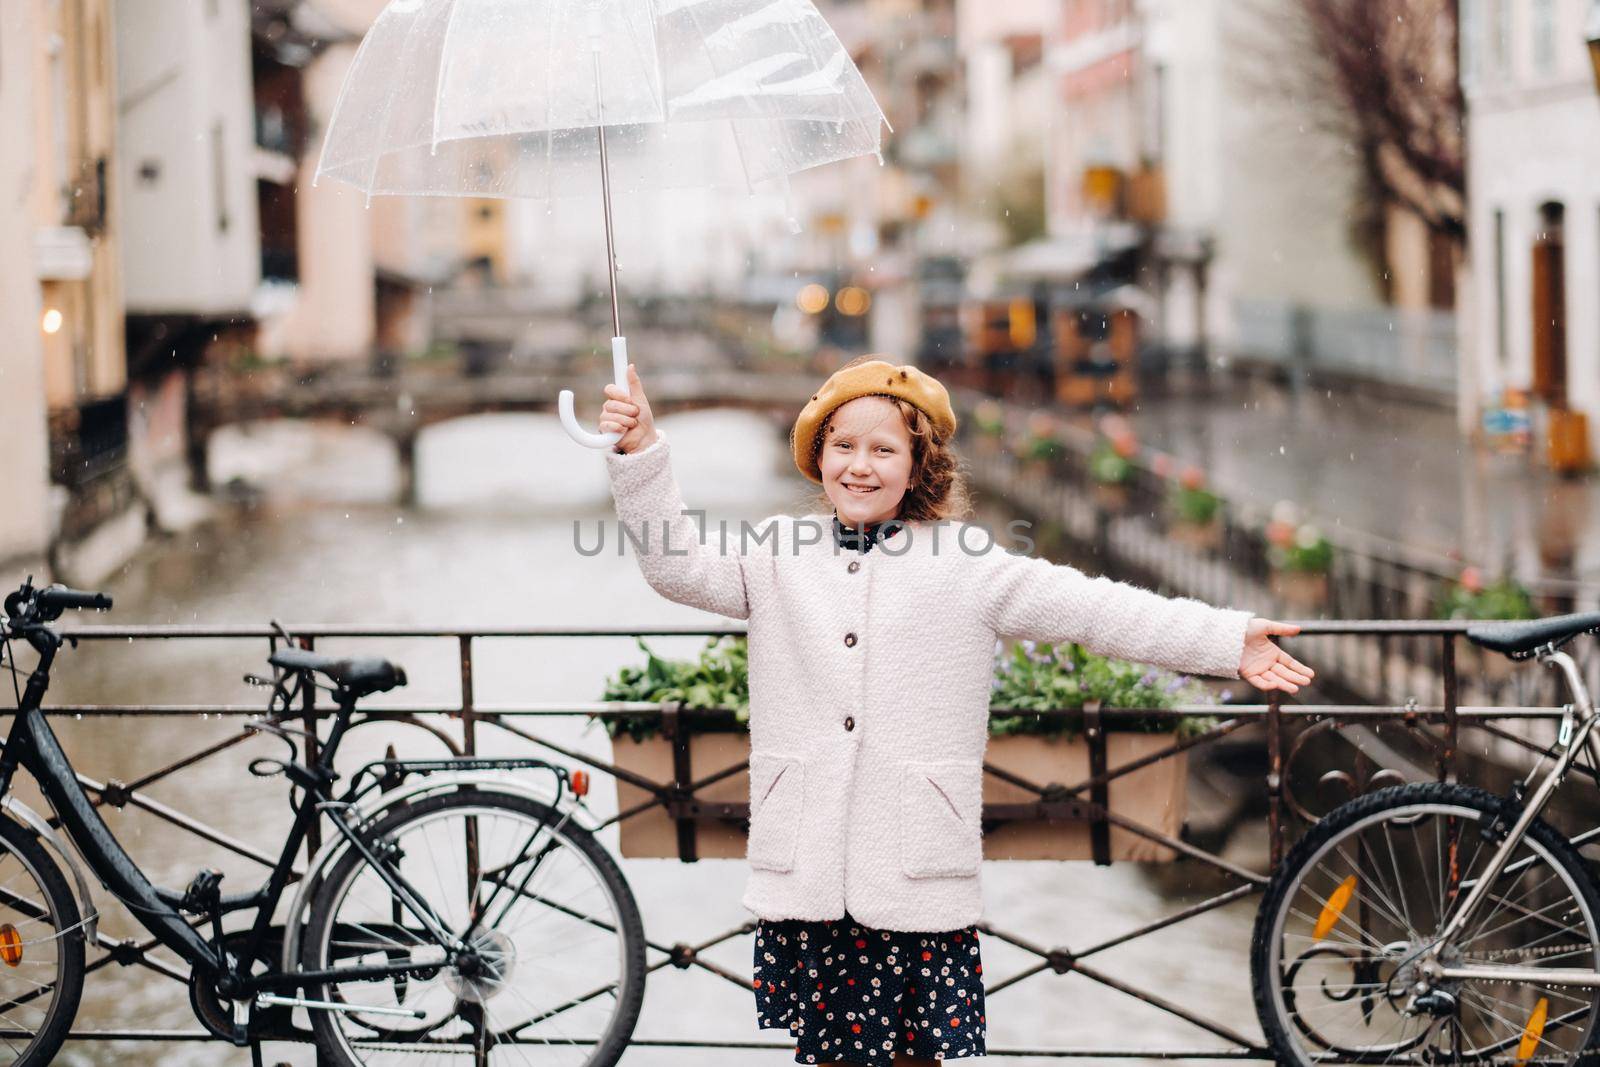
[(870, 677)]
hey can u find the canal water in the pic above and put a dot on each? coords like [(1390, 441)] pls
[(314, 537)]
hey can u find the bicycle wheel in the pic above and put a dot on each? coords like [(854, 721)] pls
[(1344, 920), (557, 968), (41, 950)]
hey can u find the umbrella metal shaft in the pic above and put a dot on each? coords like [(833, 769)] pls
[(605, 195)]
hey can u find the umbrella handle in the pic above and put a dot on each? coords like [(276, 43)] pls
[(619, 371)]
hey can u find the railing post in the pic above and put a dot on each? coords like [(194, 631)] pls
[(309, 715), (1094, 733), (1274, 778), (1447, 757), (469, 730)]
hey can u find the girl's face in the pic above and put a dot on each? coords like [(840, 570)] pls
[(865, 460)]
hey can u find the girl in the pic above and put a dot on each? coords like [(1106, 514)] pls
[(871, 652)]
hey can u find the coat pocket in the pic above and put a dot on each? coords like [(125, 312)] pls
[(777, 799), (941, 819)]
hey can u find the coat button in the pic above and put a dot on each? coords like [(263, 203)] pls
[(855, 565), (849, 722), (849, 640)]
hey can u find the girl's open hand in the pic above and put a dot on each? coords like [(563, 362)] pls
[(628, 413), (1265, 665)]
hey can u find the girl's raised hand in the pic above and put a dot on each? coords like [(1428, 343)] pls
[(628, 413), (1265, 665)]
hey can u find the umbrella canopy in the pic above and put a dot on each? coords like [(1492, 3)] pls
[(538, 98), (501, 98)]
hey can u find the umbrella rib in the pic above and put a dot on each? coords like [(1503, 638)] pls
[(438, 84), (388, 109), (738, 144)]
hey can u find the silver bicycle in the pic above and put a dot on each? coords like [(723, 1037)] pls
[(1438, 923)]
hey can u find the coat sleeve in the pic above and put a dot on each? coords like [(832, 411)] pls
[(653, 525), (1027, 597)]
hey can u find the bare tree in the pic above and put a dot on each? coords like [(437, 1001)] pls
[(1382, 76)]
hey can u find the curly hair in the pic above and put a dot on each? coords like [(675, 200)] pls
[(937, 489)]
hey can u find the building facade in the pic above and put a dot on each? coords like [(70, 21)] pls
[(1533, 135)]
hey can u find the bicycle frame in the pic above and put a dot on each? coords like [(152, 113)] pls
[(33, 746), (1584, 733)]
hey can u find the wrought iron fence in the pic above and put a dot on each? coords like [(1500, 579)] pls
[(1297, 741)]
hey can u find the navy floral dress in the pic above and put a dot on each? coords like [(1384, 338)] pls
[(849, 993), (852, 994)]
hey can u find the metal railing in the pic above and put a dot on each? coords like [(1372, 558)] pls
[(1290, 735), (1416, 348)]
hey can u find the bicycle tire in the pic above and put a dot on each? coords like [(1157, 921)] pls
[(630, 995), (47, 875), (1263, 978)]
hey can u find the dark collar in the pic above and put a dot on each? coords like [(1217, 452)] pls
[(859, 540)]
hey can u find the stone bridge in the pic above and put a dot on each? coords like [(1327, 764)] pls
[(403, 403)]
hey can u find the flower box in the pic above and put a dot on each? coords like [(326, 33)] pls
[(1153, 796), (1301, 590), (1206, 536), (654, 833)]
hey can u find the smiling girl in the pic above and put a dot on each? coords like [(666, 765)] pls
[(871, 639)]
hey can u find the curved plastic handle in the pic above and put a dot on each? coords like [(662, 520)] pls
[(619, 373)]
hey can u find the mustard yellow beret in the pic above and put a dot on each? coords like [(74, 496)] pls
[(873, 377)]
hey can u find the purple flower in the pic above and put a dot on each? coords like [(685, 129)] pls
[(1148, 679), (995, 685), (1227, 695), (1176, 684)]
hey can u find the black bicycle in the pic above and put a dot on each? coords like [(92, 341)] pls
[(442, 921)]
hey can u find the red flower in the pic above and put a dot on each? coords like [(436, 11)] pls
[(758, 983), (954, 1021), (978, 969), (852, 981), (855, 1028), (911, 1037), (927, 955), (861, 943)]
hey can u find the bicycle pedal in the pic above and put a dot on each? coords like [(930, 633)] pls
[(203, 894)]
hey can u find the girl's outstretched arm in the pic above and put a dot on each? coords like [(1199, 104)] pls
[(1028, 597), (653, 526)]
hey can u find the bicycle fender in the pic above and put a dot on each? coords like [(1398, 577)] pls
[(41, 826)]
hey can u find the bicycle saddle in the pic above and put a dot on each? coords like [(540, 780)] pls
[(368, 674), (1519, 639)]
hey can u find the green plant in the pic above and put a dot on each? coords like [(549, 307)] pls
[(1501, 599), (1306, 550), (718, 679), (1044, 677), (1108, 466), (1043, 448), (1032, 676), (989, 419), (1194, 505)]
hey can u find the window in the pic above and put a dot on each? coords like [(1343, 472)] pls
[(1544, 37), (1500, 35), (1500, 285), (219, 174), (1471, 40)]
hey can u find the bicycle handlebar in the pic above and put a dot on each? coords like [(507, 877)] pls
[(59, 597)]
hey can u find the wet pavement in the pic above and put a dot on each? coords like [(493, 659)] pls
[(1392, 470)]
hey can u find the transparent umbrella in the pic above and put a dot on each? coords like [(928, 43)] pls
[(539, 98)]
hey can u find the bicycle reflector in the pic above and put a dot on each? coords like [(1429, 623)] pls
[(580, 783), (10, 945), (1531, 1033), (1334, 908)]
